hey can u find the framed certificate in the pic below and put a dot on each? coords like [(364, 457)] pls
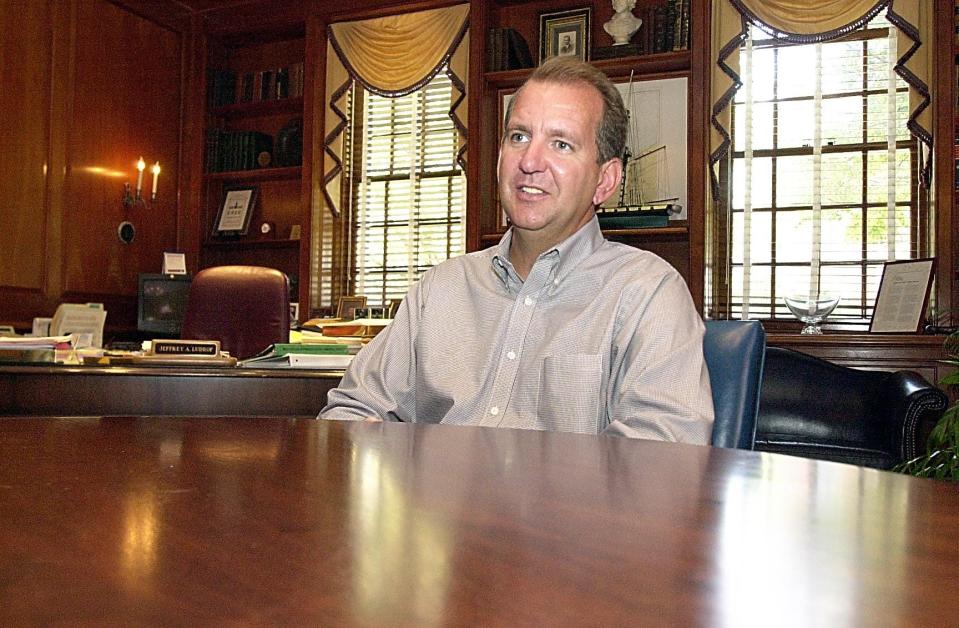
[(236, 210), (903, 295)]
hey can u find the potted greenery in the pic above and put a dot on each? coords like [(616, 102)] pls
[(941, 461)]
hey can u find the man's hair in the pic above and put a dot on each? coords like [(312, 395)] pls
[(614, 124)]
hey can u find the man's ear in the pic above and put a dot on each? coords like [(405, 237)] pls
[(610, 174)]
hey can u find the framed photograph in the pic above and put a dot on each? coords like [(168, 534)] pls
[(903, 295), (346, 307), (236, 210), (564, 33), (294, 315)]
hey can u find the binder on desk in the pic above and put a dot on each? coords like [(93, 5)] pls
[(301, 360)]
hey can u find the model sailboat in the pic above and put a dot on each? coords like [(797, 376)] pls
[(643, 199)]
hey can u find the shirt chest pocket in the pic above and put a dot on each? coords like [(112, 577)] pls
[(569, 393)]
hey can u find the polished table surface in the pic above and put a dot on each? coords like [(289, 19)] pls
[(239, 521)]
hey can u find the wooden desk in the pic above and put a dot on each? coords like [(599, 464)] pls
[(182, 391), (182, 521)]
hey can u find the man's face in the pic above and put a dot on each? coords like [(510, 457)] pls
[(549, 180)]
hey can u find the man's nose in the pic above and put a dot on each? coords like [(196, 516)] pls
[(533, 156)]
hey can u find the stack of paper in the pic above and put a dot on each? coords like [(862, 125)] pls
[(45, 349), (83, 320)]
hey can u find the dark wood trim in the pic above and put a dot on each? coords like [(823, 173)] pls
[(943, 86), (194, 391)]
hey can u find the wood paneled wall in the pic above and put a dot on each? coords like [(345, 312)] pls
[(88, 87)]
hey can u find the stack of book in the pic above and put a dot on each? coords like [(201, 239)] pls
[(228, 151), (273, 84), (225, 88), (315, 355)]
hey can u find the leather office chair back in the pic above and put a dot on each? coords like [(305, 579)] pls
[(246, 308), (817, 409), (735, 353)]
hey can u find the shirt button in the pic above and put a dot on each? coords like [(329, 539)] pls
[(556, 282), (511, 355), (494, 410), (528, 301)]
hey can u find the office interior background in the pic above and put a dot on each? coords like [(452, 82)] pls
[(94, 85)]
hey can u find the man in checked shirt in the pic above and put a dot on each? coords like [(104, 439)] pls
[(554, 328)]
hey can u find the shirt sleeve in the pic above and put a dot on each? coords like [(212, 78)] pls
[(659, 386), (380, 381)]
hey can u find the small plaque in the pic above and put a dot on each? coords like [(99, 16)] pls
[(186, 348)]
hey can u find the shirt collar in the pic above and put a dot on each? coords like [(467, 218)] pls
[(570, 252)]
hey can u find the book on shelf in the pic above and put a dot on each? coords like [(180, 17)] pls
[(227, 88), (220, 88), (245, 87), (507, 50), (296, 79), (669, 25), (229, 151)]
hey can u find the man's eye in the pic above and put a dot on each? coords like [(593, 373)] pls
[(516, 136), (560, 144)]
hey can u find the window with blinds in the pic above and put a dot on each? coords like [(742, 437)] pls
[(823, 184), (408, 200)]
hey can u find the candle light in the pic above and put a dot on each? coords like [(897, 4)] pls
[(156, 175), (140, 167)]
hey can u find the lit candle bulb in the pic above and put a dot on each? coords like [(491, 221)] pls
[(156, 175), (141, 165)]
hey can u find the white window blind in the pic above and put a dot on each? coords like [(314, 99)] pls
[(409, 205), (823, 184)]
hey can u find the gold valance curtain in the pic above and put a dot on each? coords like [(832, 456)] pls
[(808, 21), (391, 56)]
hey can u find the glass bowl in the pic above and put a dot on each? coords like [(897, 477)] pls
[(811, 310)]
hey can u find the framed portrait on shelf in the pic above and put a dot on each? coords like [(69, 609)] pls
[(236, 210), (564, 33), (903, 295), (346, 307)]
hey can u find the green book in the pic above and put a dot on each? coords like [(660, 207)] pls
[(286, 348)]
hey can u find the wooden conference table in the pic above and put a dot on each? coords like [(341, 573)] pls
[(240, 521)]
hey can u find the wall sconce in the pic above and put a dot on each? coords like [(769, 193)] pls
[(132, 198)]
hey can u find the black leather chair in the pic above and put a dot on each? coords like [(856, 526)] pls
[(816, 409), (246, 308)]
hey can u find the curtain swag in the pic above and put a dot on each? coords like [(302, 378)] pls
[(812, 21), (392, 56)]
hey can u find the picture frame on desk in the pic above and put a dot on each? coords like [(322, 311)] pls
[(903, 296), (565, 33), (346, 306), (235, 211)]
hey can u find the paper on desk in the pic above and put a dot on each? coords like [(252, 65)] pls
[(78, 318), (38, 342)]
